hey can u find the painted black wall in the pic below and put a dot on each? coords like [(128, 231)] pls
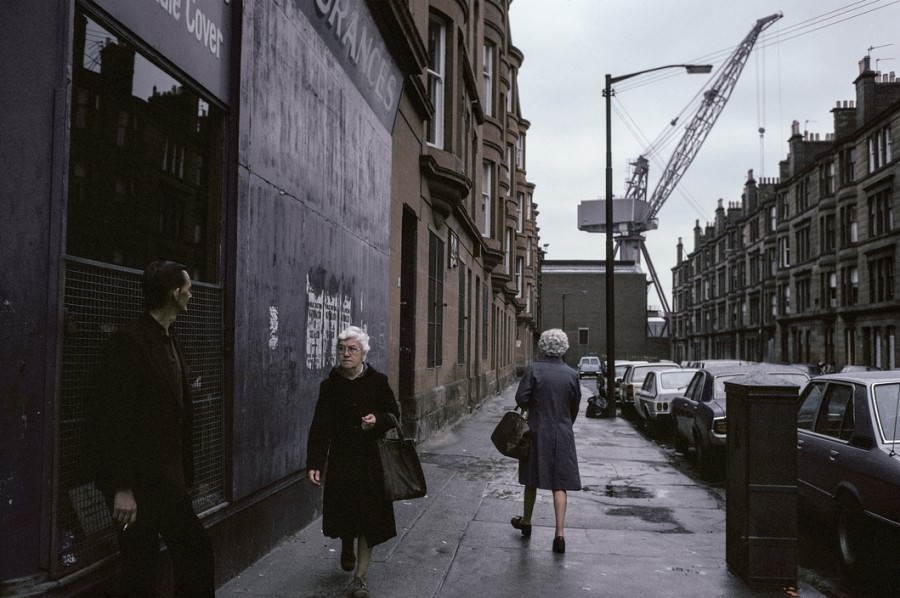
[(33, 109)]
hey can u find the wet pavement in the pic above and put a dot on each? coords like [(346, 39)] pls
[(639, 527)]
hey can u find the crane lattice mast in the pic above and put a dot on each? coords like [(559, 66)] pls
[(631, 244)]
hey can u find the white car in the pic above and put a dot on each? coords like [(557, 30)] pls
[(653, 400), (589, 366)]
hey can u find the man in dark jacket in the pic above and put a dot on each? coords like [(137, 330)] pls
[(144, 456)]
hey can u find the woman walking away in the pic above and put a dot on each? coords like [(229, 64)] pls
[(353, 412), (550, 391)]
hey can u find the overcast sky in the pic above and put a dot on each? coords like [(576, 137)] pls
[(800, 67)]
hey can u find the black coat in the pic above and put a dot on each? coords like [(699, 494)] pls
[(353, 501), (549, 389), (142, 414)]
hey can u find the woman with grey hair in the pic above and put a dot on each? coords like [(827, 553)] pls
[(353, 411), (550, 391)]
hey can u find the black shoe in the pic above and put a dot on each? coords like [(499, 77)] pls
[(348, 559), (559, 544), (525, 528), (359, 589)]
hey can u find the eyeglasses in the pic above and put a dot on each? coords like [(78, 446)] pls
[(350, 350)]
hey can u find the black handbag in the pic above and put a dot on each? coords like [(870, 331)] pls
[(402, 472), (512, 436)]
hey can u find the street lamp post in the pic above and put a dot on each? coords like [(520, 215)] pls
[(610, 258)]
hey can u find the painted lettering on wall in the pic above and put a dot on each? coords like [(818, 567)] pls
[(327, 313), (350, 32), (198, 23), (360, 42)]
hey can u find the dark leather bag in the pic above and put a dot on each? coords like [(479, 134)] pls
[(402, 470), (512, 436)]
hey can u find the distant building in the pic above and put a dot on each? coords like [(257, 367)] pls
[(803, 268), (573, 298)]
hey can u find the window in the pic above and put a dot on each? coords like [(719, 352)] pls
[(583, 336), (802, 193), (437, 60), (849, 226), (784, 251), (879, 148), (435, 300), (507, 250), (784, 204), (806, 415), (849, 286), (804, 294), (802, 243), (520, 213), (509, 164), (520, 152), (881, 213), (848, 165), (829, 288), (826, 178), (488, 79), (153, 128), (827, 240), (785, 299), (836, 419), (881, 279), (520, 270), (487, 196)]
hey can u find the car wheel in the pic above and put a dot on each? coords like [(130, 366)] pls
[(851, 535), (681, 445)]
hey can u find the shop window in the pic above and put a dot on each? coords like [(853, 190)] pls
[(150, 127)]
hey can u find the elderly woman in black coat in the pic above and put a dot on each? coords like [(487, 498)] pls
[(550, 391), (354, 410)]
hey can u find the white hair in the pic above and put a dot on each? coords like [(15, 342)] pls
[(553, 343), (357, 334)]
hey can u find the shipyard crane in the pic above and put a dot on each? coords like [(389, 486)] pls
[(635, 214)]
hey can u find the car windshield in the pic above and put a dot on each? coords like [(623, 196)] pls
[(887, 407), (672, 380)]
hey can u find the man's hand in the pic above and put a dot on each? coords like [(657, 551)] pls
[(124, 508), (314, 476), (368, 421)]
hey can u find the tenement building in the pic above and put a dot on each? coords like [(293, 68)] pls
[(314, 164), (802, 269)]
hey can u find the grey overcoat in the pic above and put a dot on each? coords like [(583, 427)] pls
[(549, 389)]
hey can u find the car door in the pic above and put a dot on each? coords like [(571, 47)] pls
[(685, 406), (645, 397), (821, 465)]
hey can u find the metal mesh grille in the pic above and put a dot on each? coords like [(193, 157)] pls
[(98, 299)]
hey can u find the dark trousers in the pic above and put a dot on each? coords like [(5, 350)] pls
[(188, 545)]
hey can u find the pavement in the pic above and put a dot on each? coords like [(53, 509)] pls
[(638, 527)]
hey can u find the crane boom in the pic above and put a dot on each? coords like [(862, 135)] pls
[(711, 106)]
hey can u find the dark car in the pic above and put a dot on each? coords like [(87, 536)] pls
[(848, 469), (699, 414)]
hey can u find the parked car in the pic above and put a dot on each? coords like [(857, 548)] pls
[(589, 366), (715, 362), (653, 399), (848, 469), (699, 414), (622, 366), (634, 376)]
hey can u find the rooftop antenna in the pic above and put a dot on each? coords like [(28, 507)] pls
[(869, 50), (877, 60)]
